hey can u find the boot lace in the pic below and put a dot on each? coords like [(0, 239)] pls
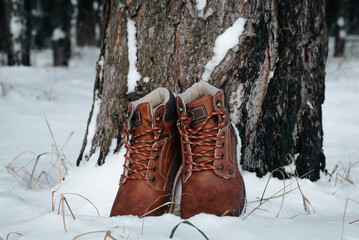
[(138, 166), (201, 137)]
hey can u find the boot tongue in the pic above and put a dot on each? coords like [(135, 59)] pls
[(198, 111)]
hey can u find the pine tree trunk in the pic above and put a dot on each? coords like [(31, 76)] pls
[(86, 23), (18, 32), (341, 27), (273, 78), (61, 23)]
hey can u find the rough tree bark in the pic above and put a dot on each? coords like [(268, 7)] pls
[(274, 76)]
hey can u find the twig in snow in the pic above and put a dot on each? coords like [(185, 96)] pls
[(345, 209)]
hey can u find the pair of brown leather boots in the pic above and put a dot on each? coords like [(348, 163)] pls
[(197, 135)]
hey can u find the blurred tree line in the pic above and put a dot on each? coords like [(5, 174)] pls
[(63, 24), (43, 24)]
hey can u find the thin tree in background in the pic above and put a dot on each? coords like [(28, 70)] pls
[(61, 21), (86, 22), (341, 27), (18, 31)]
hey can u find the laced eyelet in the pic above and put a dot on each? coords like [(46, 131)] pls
[(180, 109), (222, 167), (159, 118), (222, 155), (153, 179), (154, 168), (178, 123), (159, 131), (224, 116), (223, 133), (230, 171), (222, 144), (157, 157), (219, 104)]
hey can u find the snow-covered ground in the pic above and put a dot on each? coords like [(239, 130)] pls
[(64, 96)]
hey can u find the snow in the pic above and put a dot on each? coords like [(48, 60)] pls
[(200, 5), (58, 34), (146, 79), (342, 34), (227, 40), (340, 22), (64, 95), (133, 75)]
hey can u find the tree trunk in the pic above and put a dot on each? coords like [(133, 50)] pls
[(61, 22), (86, 23), (273, 76), (341, 27), (18, 32)]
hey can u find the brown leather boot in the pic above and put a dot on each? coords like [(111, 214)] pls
[(211, 181), (152, 157)]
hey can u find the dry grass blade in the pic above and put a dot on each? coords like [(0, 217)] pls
[(273, 196), (8, 235), (52, 135), (354, 221), (68, 206), (66, 141), (225, 213), (34, 168), (53, 198), (108, 235), (345, 210), (63, 212), (304, 198), (62, 206), (270, 176), (172, 208), (83, 234), (161, 206), (76, 194)]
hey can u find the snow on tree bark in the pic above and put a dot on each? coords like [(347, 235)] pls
[(273, 76)]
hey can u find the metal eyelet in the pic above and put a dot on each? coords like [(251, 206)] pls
[(159, 118), (222, 155), (126, 115), (219, 104), (230, 171), (157, 157), (180, 109), (159, 131), (178, 123), (224, 116), (222, 144), (222, 167), (223, 133), (154, 168), (153, 179)]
